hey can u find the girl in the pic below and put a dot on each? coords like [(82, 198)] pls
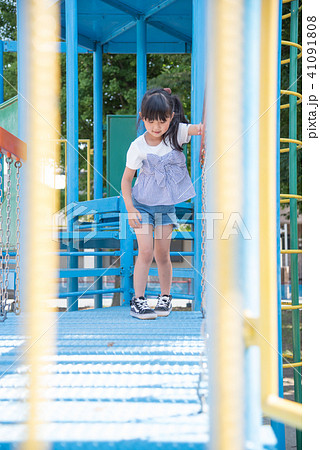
[(163, 181)]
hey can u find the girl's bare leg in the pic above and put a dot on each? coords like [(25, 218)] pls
[(162, 241), (144, 259)]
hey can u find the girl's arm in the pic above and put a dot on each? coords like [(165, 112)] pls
[(194, 130), (126, 187)]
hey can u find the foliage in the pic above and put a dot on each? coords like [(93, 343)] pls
[(8, 32), (8, 19)]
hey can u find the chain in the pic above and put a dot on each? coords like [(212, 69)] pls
[(2, 306), (17, 306), (202, 389), (203, 231), (9, 161)]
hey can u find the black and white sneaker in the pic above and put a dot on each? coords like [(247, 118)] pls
[(141, 310), (164, 305)]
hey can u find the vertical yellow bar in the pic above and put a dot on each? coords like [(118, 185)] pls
[(44, 122), (275, 407), (268, 200), (225, 197)]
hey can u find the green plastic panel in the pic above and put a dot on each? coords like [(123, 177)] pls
[(121, 131), (9, 115)]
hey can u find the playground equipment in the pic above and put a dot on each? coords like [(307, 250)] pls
[(240, 332), (295, 98), (12, 150)]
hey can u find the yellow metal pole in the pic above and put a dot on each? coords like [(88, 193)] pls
[(289, 307), (284, 411), (272, 405), (294, 141), (43, 122), (298, 197), (297, 364), (225, 88), (268, 232)]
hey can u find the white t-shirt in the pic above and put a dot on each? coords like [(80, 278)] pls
[(139, 148)]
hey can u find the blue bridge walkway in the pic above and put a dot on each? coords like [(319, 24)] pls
[(115, 382)]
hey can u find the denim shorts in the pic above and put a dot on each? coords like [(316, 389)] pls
[(157, 215)]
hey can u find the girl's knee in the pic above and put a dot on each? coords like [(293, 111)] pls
[(146, 256), (162, 257)]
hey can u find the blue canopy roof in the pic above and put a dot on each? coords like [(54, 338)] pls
[(113, 24)]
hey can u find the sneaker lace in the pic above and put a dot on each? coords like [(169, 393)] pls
[(142, 303), (163, 301)]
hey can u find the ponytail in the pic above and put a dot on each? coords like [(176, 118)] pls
[(179, 117)]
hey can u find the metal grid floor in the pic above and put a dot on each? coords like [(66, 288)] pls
[(115, 382)]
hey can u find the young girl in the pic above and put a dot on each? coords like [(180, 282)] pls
[(163, 181)]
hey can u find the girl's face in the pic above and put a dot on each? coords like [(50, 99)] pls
[(157, 128)]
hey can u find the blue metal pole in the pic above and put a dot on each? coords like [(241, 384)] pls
[(23, 127), (198, 74), (98, 300), (250, 248), (278, 427), (97, 125), (141, 65), (126, 245), (1, 72), (97, 155), (72, 132), (126, 255)]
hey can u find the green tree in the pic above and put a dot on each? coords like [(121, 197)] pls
[(8, 31), (8, 19)]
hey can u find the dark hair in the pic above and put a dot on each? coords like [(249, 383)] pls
[(158, 104)]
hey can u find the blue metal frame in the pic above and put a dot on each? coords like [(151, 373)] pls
[(279, 428), (114, 232), (122, 47), (137, 15), (250, 249), (98, 151), (72, 102), (11, 47), (23, 112), (97, 122), (141, 65), (198, 79), (72, 131), (126, 258), (198, 73)]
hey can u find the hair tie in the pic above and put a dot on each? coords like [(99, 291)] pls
[(167, 90)]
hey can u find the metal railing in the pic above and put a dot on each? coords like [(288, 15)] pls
[(109, 230)]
